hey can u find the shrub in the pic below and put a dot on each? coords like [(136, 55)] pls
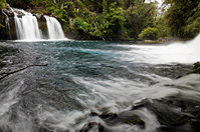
[(149, 33)]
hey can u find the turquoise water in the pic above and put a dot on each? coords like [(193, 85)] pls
[(83, 77)]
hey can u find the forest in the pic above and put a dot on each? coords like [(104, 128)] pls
[(99, 66), (119, 19)]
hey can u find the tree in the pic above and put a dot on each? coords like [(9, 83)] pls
[(149, 33), (183, 17), (139, 16)]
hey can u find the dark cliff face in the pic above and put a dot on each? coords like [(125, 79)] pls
[(22, 4), (42, 25), (7, 28)]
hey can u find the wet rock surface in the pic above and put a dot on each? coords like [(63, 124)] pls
[(7, 28), (174, 113)]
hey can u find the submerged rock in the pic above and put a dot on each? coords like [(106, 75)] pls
[(92, 126), (125, 117), (173, 112), (196, 67)]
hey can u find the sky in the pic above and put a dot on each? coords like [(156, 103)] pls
[(159, 1)]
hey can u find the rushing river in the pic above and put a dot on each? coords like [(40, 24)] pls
[(85, 77)]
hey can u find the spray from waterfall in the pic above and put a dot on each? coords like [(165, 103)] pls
[(188, 52), (177, 52)]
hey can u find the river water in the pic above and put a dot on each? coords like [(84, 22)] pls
[(85, 77)]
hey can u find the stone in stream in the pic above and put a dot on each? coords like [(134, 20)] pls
[(125, 117), (174, 113), (93, 126)]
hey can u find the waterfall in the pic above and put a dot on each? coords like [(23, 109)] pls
[(26, 26), (54, 28)]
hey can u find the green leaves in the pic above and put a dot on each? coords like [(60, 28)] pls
[(98, 19), (149, 33), (2, 4), (183, 18)]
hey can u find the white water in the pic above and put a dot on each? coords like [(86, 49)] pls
[(27, 26), (177, 52), (54, 28), (115, 94)]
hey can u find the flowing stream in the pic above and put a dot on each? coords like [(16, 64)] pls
[(85, 77)]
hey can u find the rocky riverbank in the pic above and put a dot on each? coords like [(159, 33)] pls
[(174, 113)]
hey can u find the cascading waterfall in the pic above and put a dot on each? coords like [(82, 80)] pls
[(54, 28), (27, 27)]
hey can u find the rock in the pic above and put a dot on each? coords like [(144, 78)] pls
[(182, 128), (19, 13), (92, 126), (9, 12), (126, 117), (7, 30), (173, 112), (196, 67), (38, 16), (43, 26)]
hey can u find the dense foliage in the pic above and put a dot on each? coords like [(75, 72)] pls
[(119, 19), (2, 4), (149, 33), (102, 19), (183, 17)]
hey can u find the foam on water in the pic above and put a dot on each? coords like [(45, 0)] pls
[(177, 52)]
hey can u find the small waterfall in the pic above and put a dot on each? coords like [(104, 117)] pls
[(26, 25), (54, 28)]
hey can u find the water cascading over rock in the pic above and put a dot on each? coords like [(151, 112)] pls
[(27, 27), (54, 28)]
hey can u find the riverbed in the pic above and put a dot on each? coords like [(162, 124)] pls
[(92, 85)]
